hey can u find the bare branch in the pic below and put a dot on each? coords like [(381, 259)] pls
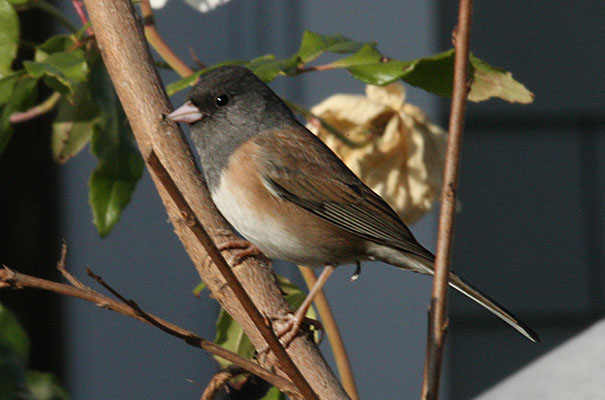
[(11, 278), (437, 310)]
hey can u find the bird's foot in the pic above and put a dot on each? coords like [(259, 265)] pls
[(291, 324), (247, 249)]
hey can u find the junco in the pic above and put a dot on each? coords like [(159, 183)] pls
[(288, 194)]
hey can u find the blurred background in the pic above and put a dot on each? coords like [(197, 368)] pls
[(530, 231)]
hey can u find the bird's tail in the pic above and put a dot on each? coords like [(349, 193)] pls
[(425, 266), (475, 294)]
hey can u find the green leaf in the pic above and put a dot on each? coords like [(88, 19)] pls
[(7, 84), (18, 2), (268, 67), (44, 386), (13, 339), (274, 394), (9, 37), (490, 82), (314, 44), (74, 125), (190, 80), (23, 97), (184, 83), (231, 336), (54, 44), (434, 74), (120, 164), (61, 71)]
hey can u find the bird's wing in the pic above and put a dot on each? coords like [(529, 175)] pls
[(297, 167)]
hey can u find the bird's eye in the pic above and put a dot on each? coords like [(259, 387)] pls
[(221, 100)]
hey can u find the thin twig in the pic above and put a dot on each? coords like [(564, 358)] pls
[(37, 110), (63, 270), (79, 8), (218, 381), (156, 41), (331, 328), (11, 278), (437, 310)]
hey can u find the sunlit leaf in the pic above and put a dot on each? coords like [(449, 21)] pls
[(274, 394), (9, 37), (61, 71), (120, 164), (54, 44), (433, 74), (184, 83), (314, 44), (268, 67), (490, 82), (190, 80)]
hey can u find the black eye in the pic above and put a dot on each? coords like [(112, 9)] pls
[(221, 100)]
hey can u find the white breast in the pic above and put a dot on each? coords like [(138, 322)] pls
[(263, 231)]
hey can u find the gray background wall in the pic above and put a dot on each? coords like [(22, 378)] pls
[(530, 231)]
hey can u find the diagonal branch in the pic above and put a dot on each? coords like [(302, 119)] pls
[(129, 63), (11, 278), (437, 310)]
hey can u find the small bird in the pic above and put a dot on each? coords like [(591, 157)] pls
[(289, 195)]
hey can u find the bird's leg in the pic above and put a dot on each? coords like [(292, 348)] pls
[(247, 249), (357, 272), (293, 323)]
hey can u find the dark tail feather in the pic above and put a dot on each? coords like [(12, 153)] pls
[(457, 283), (424, 265)]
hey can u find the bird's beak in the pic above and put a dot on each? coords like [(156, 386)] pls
[(187, 114)]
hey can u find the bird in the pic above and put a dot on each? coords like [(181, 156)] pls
[(289, 195)]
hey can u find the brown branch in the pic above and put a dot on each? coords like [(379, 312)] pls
[(438, 307), (37, 110), (130, 66), (11, 278), (218, 381), (156, 41), (79, 8), (200, 233)]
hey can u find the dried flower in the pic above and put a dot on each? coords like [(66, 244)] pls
[(396, 150)]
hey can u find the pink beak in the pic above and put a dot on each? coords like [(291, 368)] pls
[(187, 114)]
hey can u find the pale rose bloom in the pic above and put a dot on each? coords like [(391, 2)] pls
[(402, 152)]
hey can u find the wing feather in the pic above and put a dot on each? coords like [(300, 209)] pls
[(308, 174)]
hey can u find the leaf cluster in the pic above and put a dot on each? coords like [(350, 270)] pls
[(88, 111)]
